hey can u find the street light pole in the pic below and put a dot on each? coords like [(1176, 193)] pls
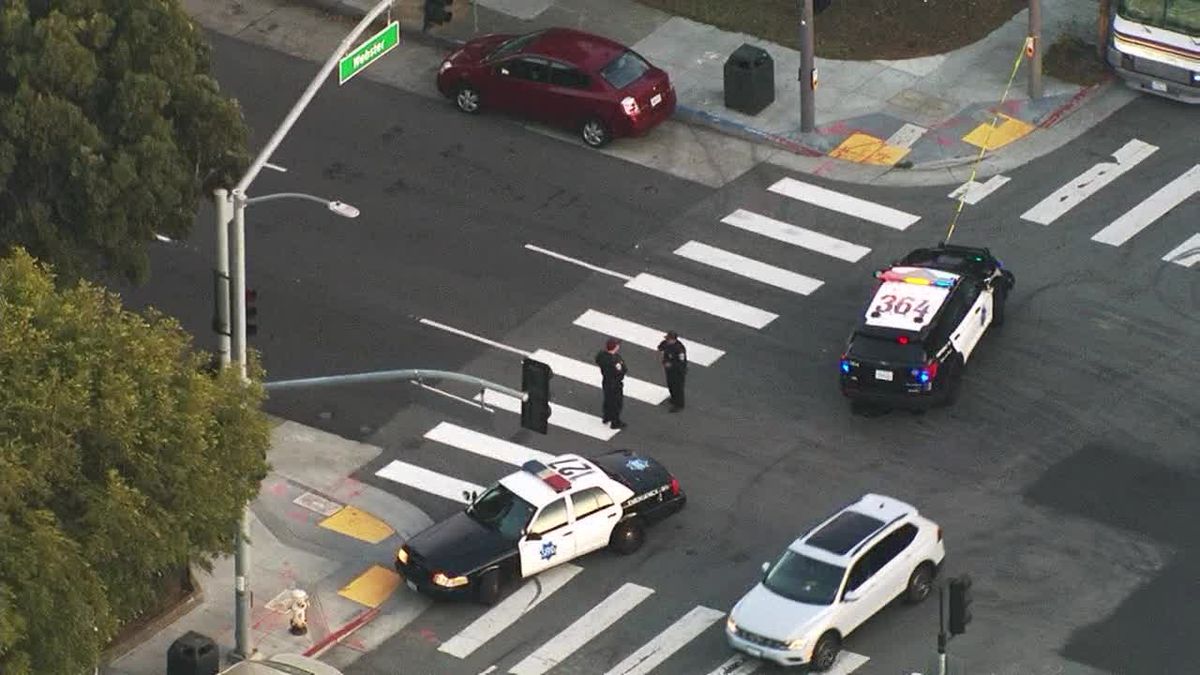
[(807, 66), (1035, 62), (221, 286)]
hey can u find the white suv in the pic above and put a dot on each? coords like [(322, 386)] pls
[(835, 577)]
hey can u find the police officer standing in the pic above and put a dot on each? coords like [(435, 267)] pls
[(674, 360), (612, 372)]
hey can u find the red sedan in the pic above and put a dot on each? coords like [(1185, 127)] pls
[(563, 77)]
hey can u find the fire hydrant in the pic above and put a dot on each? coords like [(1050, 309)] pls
[(299, 612)]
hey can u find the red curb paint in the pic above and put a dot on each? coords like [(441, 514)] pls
[(1071, 104), (299, 515), (340, 634), (278, 488)]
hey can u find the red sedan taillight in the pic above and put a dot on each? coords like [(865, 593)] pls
[(630, 106)]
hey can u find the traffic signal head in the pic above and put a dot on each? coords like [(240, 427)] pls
[(437, 12), (960, 604), (535, 382), (251, 312)]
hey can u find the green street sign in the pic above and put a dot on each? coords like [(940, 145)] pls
[(368, 52)]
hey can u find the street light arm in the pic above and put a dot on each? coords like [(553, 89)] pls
[(392, 376), (288, 195), (265, 154)]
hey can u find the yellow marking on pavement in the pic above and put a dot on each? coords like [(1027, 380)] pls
[(867, 149), (1006, 132), (372, 587), (359, 524)]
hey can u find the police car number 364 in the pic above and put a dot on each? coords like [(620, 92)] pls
[(541, 516)]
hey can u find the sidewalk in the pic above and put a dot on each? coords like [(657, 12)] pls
[(313, 528), (924, 113)]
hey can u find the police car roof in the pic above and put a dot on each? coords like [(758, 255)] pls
[(922, 292), (531, 488), (840, 537)]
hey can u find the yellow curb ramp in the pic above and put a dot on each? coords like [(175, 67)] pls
[(1006, 132), (359, 524), (372, 587), (867, 149)]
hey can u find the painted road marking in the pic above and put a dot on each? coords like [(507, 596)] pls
[(975, 191), (1187, 253), (472, 336), (371, 587), (991, 136), (589, 373), (318, 504), (498, 618), (594, 268), (748, 267), (795, 235), (446, 487), (703, 301), (843, 203), (485, 445), (586, 627), (1089, 183), (906, 135), (738, 664), (560, 416), (667, 642), (354, 522), (1151, 209), (847, 662), (868, 149), (644, 336)]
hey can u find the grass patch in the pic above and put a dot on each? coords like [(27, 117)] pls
[(857, 30), (1070, 59)]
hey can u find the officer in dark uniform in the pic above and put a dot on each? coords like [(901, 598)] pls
[(612, 371), (674, 360)]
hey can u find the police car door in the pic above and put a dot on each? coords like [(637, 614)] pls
[(974, 322), (549, 539), (595, 517)]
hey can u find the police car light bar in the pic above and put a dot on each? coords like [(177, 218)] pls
[(889, 275), (550, 477)]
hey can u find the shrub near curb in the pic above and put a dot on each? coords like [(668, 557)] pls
[(1070, 59)]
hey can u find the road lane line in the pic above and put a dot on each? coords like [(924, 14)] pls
[(1089, 183), (589, 373), (702, 301), (579, 633), (667, 642), (472, 336), (847, 662), (484, 445), (975, 191), (644, 336), (1187, 253), (425, 480), (1150, 209), (748, 268), (576, 261), (843, 203), (560, 416), (795, 235)]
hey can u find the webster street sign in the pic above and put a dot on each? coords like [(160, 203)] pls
[(368, 52)]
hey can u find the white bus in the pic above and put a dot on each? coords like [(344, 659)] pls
[(1154, 45)]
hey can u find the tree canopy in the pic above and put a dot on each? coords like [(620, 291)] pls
[(122, 457), (111, 130)]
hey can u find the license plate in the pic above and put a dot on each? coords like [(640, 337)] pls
[(1158, 86), (885, 375), (410, 584), (655, 100), (756, 653)]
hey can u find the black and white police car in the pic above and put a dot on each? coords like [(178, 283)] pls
[(538, 517), (928, 314)]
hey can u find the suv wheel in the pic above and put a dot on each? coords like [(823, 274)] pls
[(920, 584), (825, 654), (1000, 299), (627, 537), (487, 592)]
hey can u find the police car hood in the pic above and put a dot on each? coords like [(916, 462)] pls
[(771, 615), (459, 545)]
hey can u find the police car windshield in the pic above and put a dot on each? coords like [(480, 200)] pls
[(877, 350), (503, 511), (804, 579)]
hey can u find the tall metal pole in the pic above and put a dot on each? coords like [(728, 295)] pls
[(1035, 63), (238, 240), (221, 287), (941, 645), (807, 103)]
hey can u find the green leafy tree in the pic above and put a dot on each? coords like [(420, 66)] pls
[(122, 457), (111, 130)]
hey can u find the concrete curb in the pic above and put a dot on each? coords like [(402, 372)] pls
[(159, 623), (334, 638)]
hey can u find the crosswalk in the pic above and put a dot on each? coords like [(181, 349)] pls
[(710, 256)]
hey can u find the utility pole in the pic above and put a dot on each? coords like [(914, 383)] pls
[(808, 69), (941, 642), (1035, 60), (221, 277)]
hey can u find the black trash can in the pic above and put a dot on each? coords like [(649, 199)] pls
[(749, 80), (193, 654)]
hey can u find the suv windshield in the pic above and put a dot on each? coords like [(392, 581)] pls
[(803, 579), (624, 70), (1178, 15), (512, 46), (501, 510), (876, 350)]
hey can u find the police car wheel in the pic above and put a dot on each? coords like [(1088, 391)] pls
[(627, 537), (487, 590), (824, 655), (998, 307)]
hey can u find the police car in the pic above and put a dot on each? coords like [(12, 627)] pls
[(928, 314), (541, 516)]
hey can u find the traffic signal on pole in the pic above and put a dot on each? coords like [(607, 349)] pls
[(960, 604), (220, 322), (437, 12), (251, 312), (535, 382)]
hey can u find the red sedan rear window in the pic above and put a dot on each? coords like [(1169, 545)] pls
[(625, 70)]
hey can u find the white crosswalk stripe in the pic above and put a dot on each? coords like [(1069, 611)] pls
[(843, 203), (699, 300), (1150, 209), (738, 664), (519, 603), (972, 192), (748, 267), (589, 373), (1089, 183), (795, 235), (579, 633), (560, 415), (644, 336), (1187, 253), (667, 642), (847, 662), (425, 480), (484, 445)]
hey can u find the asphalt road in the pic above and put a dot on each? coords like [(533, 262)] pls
[(1064, 478)]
